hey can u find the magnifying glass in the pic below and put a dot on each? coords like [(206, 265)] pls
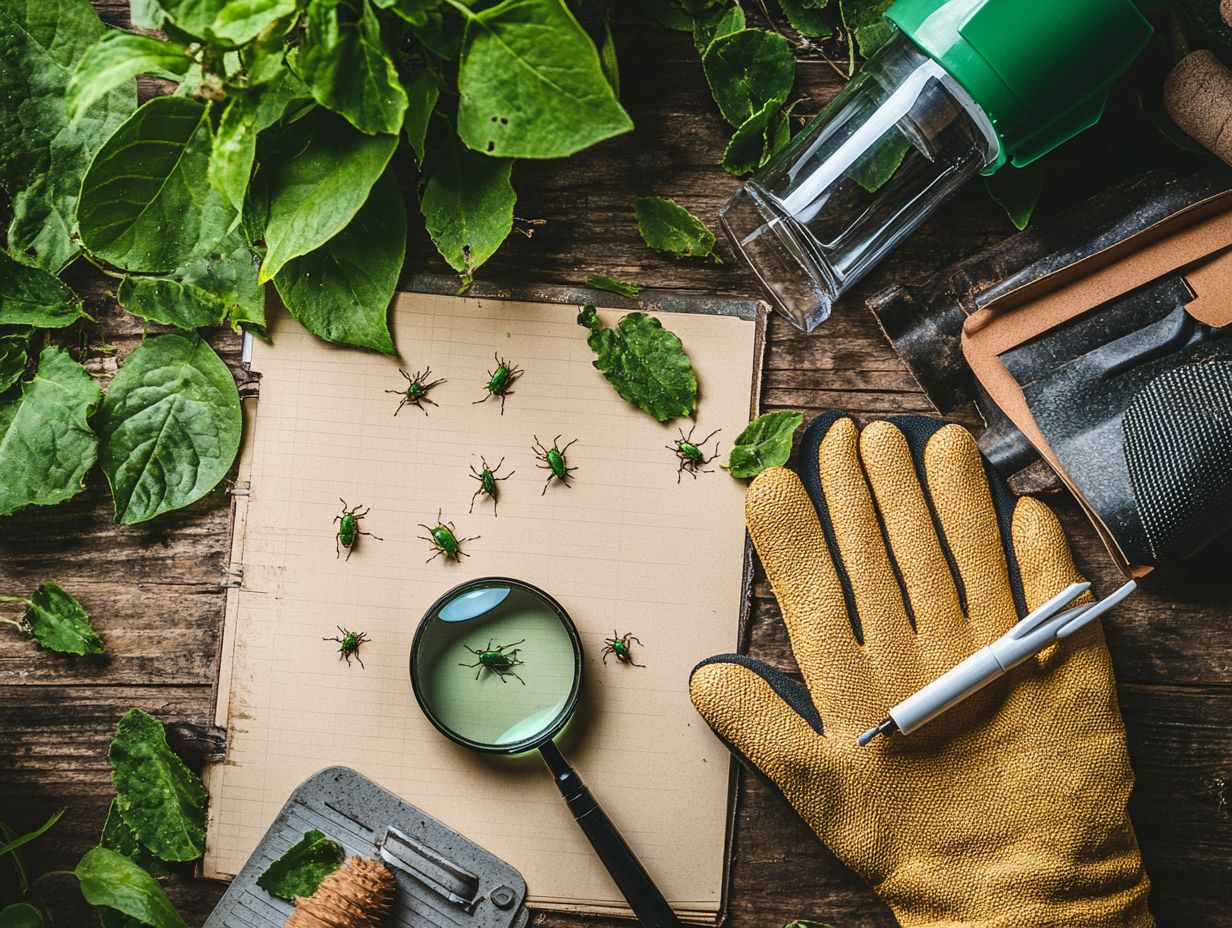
[(496, 665)]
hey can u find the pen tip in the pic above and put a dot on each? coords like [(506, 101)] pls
[(883, 728)]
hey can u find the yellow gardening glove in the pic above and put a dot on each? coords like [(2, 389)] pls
[(893, 556)]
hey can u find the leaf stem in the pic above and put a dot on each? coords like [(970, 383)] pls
[(14, 622), (50, 873), (462, 8), (14, 599), (110, 273)]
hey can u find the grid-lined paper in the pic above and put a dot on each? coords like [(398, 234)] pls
[(626, 548)]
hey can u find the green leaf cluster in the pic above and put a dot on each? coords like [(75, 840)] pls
[(301, 869), (158, 817), (764, 443), (645, 363)]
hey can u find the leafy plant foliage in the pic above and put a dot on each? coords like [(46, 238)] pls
[(668, 227), (301, 869), (55, 619), (765, 442)]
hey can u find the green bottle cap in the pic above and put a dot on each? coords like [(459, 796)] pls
[(1040, 69)]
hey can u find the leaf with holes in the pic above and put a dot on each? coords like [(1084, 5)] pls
[(301, 869), (764, 443), (32, 296), (46, 446), (530, 83), (170, 427), (341, 292), (645, 363)]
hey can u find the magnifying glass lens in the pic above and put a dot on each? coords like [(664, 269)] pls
[(497, 666)]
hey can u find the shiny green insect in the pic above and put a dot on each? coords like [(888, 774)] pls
[(499, 381), (348, 528), (619, 645), (349, 643), (554, 461), (497, 660), (444, 540), (416, 390), (690, 454), (487, 482)]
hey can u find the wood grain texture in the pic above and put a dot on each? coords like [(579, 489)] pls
[(154, 595)]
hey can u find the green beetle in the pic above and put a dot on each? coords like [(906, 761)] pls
[(487, 481), (619, 645), (416, 390), (553, 461), (348, 528), (690, 455), (497, 660), (444, 540), (349, 643), (499, 381)]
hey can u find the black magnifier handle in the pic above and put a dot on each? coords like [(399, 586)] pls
[(631, 877)]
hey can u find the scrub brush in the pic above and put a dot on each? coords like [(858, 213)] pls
[(359, 894)]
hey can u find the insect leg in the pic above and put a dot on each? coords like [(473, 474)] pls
[(568, 446), (472, 509), (349, 550)]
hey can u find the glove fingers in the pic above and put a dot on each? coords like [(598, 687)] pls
[(964, 505), (766, 719), (932, 596), (846, 500), (1044, 559), (789, 540)]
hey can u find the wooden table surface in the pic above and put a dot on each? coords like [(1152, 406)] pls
[(153, 589)]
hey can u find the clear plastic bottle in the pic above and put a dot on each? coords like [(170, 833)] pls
[(899, 139)]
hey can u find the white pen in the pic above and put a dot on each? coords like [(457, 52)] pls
[(1044, 626)]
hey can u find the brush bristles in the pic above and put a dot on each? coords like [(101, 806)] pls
[(357, 895)]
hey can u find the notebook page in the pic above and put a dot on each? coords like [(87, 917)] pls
[(626, 548)]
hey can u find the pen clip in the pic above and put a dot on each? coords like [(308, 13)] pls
[(1049, 609), (1084, 615)]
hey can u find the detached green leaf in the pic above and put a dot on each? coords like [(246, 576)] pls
[(530, 83), (21, 915), (806, 19), (146, 201), (221, 283), (341, 292), (117, 836), (467, 203), (344, 63), (32, 296), (1017, 191), (42, 160), (715, 24), (301, 869), (645, 363), (170, 428), (315, 192), (13, 360), (747, 70), (113, 61), (46, 446), (865, 20), (58, 622), (112, 880), (668, 227), (612, 285), (423, 93), (765, 442), (160, 799), (873, 169)]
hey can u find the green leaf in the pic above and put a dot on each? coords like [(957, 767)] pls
[(234, 151), (316, 192), (341, 292), (146, 14), (225, 22), (765, 442), (668, 227), (423, 93), (715, 24), (59, 623), (170, 428), (865, 20), (46, 446), (750, 145), (160, 799), (146, 201), (345, 65), (530, 83), (10, 847), (21, 915), (645, 363), (118, 837), (42, 160), (612, 285), (13, 360), (1017, 191), (301, 869), (874, 168), (807, 20), (114, 61), (112, 880), (467, 203), (32, 296), (748, 69), (221, 283)]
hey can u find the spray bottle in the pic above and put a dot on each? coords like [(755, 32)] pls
[(964, 87)]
